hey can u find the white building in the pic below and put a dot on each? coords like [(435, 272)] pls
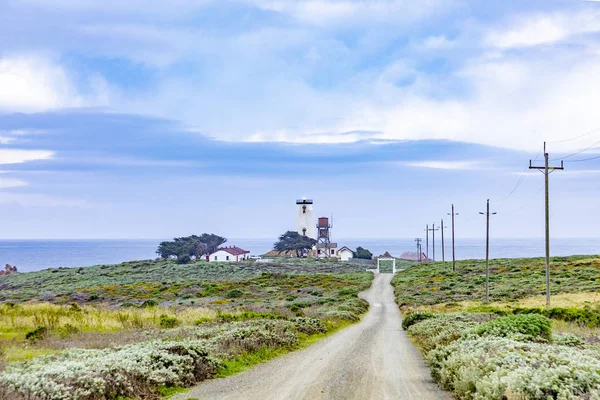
[(305, 224), (325, 252), (345, 253), (229, 254)]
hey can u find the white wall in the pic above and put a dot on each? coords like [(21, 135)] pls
[(222, 257), (345, 254), (306, 220)]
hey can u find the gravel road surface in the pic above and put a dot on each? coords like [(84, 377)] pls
[(373, 359)]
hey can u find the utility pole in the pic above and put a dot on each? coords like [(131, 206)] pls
[(547, 170), (443, 257), (427, 242), (418, 241), (433, 229), (453, 255), (487, 251)]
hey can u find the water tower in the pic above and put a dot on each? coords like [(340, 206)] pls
[(324, 237), (304, 218)]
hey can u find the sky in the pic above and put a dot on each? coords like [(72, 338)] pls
[(154, 119)]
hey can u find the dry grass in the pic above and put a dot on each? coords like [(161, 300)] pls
[(566, 300), (82, 326), (17, 319)]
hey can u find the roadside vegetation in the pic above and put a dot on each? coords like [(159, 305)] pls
[(169, 325), (511, 348)]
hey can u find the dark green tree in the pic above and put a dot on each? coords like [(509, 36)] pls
[(190, 246), (293, 241), (362, 253)]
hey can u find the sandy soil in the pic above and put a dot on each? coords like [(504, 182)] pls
[(373, 359)]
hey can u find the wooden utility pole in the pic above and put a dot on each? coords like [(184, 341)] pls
[(443, 257), (547, 170), (453, 255), (418, 241), (427, 242), (433, 229), (487, 251)]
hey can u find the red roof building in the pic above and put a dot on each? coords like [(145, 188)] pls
[(229, 254)]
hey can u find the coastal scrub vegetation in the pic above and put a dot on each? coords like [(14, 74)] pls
[(511, 348), (479, 356), (169, 325)]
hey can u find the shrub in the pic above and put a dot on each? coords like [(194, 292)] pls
[(2, 357), (497, 368), (250, 336), (93, 297), (309, 326), (523, 327), (348, 310), (167, 322), (203, 320), (38, 333), (234, 293), (414, 318), (443, 329), (149, 303), (567, 339), (67, 330), (185, 259), (136, 371)]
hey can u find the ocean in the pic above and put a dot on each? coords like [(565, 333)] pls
[(34, 255)]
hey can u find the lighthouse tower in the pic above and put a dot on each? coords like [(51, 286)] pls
[(304, 218)]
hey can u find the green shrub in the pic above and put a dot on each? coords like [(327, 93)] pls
[(309, 326), (492, 367), (38, 333), (93, 297), (133, 371), (149, 303), (414, 318), (348, 292), (234, 293), (183, 259), (444, 329), (523, 327), (67, 330), (567, 339), (167, 322)]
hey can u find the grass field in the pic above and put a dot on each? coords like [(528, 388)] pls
[(511, 347), (510, 280), (224, 316)]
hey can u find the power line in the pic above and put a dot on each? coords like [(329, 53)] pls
[(519, 182), (576, 137), (578, 152), (527, 203), (585, 159)]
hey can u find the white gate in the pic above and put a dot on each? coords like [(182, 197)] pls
[(387, 259)]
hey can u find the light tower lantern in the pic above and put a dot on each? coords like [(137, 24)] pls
[(304, 218)]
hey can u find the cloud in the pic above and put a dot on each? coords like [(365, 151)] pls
[(18, 156), (42, 200), (32, 83), (326, 12), (544, 29), (444, 164), (12, 183)]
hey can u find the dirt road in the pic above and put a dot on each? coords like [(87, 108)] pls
[(373, 359)]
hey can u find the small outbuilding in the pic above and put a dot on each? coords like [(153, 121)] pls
[(345, 253), (229, 254)]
